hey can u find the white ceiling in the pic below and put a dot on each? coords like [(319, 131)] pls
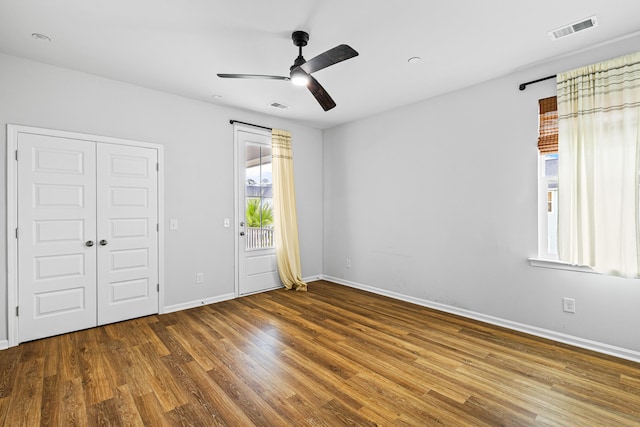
[(178, 46)]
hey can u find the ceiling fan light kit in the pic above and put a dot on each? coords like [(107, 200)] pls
[(301, 70), (299, 77)]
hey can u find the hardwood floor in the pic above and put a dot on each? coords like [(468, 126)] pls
[(332, 356)]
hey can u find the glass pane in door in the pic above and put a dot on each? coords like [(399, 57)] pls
[(258, 197)]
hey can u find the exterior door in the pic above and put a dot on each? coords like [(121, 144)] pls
[(257, 268), (56, 235), (87, 234), (127, 236)]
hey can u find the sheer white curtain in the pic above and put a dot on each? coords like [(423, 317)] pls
[(598, 147)]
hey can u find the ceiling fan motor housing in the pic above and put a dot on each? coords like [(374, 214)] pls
[(300, 38)]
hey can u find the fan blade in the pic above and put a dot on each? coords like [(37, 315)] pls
[(330, 57), (251, 76), (320, 94)]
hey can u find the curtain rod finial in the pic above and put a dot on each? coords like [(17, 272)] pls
[(523, 86)]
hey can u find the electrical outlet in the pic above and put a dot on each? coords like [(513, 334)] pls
[(568, 305), (347, 263), (199, 277), (173, 224), (227, 223)]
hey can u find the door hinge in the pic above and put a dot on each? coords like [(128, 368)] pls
[(16, 232), (17, 310), (16, 155), (158, 167), (158, 287), (157, 226)]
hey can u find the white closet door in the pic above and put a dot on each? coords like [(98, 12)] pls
[(56, 244), (127, 216)]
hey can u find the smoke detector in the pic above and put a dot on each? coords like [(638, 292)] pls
[(585, 24)]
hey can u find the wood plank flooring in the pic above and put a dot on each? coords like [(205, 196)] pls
[(330, 357)]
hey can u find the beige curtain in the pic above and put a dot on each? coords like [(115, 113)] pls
[(598, 156), (284, 212)]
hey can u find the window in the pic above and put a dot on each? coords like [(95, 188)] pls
[(596, 167), (258, 197), (548, 179), (548, 187)]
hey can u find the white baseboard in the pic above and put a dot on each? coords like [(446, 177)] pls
[(4, 344), (197, 303), (226, 297), (611, 350)]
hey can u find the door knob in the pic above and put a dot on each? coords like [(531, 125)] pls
[(103, 242), (89, 243), (242, 233), (242, 224)]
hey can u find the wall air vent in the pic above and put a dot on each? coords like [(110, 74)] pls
[(573, 28), (279, 105)]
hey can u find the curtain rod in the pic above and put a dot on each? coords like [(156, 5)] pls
[(249, 124), (523, 86)]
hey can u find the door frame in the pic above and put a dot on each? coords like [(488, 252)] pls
[(12, 212)]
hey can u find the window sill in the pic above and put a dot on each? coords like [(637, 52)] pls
[(559, 265)]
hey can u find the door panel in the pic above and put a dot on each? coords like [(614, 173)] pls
[(123, 197), (129, 227), (261, 264), (257, 267), (260, 272), (127, 219), (59, 266), (58, 231), (59, 302), (56, 205), (61, 196)]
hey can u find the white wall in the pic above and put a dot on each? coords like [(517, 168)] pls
[(436, 203), (198, 141)]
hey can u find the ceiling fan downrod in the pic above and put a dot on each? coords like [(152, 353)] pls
[(300, 39)]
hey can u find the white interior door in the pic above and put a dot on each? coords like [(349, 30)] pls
[(127, 235), (88, 241), (257, 267), (56, 235)]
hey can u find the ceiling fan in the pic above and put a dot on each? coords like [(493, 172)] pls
[(300, 71)]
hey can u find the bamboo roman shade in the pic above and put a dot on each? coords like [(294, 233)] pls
[(548, 125)]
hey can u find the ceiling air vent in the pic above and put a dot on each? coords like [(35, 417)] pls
[(573, 28), (279, 105)]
